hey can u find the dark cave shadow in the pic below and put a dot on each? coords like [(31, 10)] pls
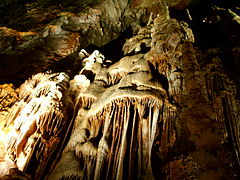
[(113, 49), (15, 16), (210, 32), (15, 71)]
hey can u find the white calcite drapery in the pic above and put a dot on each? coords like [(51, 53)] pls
[(126, 112)]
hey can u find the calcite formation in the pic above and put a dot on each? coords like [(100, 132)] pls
[(162, 111), (39, 122)]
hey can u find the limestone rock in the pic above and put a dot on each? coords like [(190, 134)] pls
[(40, 122), (163, 110)]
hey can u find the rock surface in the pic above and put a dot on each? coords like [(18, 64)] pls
[(164, 110)]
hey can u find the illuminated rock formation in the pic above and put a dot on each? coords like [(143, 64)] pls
[(164, 110), (39, 122)]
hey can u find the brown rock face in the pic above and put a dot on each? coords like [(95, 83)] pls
[(164, 110)]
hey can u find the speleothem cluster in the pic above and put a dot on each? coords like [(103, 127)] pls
[(119, 121)]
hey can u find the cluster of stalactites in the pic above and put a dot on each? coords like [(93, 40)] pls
[(117, 116), (126, 129), (38, 121), (164, 37), (118, 120)]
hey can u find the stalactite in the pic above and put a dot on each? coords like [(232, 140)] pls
[(116, 121), (113, 150), (116, 114), (39, 121), (127, 111)]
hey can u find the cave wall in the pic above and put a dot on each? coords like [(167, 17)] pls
[(162, 108)]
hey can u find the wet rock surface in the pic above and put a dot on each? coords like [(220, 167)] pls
[(162, 108)]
